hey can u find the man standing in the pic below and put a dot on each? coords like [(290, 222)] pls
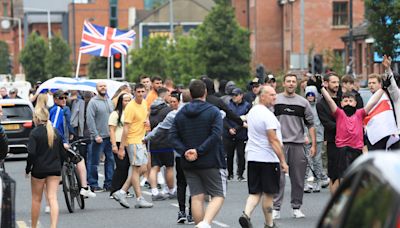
[(255, 89), (348, 86), (156, 83), (98, 112), (294, 112), (265, 157), (145, 80), (3, 93), (135, 124), (196, 135)]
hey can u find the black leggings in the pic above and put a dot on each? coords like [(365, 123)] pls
[(120, 173), (181, 187)]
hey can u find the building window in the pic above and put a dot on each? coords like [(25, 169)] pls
[(114, 13), (340, 14)]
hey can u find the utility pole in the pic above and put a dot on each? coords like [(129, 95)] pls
[(301, 35), (350, 66), (171, 19)]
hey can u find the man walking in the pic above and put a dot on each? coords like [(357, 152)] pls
[(196, 135), (294, 112), (98, 112), (265, 157)]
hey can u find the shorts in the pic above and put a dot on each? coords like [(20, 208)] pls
[(137, 154), (44, 175), (206, 181), (341, 159), (263, 177), (162, 159)]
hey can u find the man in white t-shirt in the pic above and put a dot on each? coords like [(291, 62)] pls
[(265, 157)]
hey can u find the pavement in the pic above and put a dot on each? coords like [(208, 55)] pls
[(105, 212)]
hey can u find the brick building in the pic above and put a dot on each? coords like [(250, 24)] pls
[(275, 29)]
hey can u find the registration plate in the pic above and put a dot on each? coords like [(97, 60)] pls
[(11, 126)]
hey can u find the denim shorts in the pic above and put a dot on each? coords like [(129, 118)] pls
[(137, 154)]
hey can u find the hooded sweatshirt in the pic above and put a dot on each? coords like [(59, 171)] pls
[(158, 111), (198, 125)]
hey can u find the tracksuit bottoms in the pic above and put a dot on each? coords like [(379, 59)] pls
[(297, 162)]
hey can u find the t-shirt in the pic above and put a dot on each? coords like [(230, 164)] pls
[(136, 115), (259, 120), (349, 130), (113, 121), (150, 98)]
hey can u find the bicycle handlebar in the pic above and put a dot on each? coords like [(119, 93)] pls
[(80, 141)]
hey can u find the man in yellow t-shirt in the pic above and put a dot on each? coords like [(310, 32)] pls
[(135, 125)]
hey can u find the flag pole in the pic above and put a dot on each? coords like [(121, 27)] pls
[(78, 65)]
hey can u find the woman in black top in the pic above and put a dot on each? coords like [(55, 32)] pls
[(45, 155)]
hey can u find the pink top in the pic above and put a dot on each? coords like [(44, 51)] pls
[(349, 130)]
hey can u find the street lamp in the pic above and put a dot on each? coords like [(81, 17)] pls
[(5, 24), (48, 20)]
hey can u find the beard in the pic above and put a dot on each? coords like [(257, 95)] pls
[(102, 93), (349, 110)]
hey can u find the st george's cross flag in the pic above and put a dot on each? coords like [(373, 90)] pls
[(105, 41)]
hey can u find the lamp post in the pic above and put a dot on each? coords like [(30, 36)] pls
[(19, 35), (48, 21)]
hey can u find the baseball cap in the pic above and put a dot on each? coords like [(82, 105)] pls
[(271, 77), (13, 90), (59, 93), (255, 81), (237, 91)]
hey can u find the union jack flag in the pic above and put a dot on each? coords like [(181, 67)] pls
[(105, 41)]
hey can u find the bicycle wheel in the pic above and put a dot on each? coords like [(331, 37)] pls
[(67, 188), (80, 198)]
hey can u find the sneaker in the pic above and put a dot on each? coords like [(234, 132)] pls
[(244, 221), (87, 193), (142, 203), (181, 217), (273, 225), (230, 177), (129, 195), (121, 198), (97, 189), (107, 189), (47, 210), (190, 220), (203, 224), (159, 197), (298, 214), (325, 182), (317, 187), (276, 214), (241, 178), (142, 182), (308, 188)]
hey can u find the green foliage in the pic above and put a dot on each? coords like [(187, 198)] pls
[(4, 58), (98, 68), (334, 62), (33, 57), (223, 46), (384, 23), (58, 62)]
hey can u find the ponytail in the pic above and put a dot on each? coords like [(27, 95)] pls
[(41, 116), (50, 134)]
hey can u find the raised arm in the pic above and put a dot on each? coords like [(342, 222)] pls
[(331, 103), (390, 82), (374, 100)]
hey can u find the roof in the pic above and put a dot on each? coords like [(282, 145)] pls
[(206, 4), (360, 31)]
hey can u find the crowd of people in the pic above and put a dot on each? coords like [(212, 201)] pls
[(146, 131)]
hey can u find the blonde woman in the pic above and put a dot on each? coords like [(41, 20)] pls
[(41, 101), (45, 155)]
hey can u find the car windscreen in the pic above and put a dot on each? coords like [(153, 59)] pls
[(16, 112)]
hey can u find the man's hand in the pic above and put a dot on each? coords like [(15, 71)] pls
[(121, 153), (306, 140), (245, 125), (114, 149), (66, 146), (284, 167), (98, 139), (191, 155), (232, 131), (313, 150), (387, 62), (386, 82)]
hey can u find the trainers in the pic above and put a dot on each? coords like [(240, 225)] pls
[(298, 214), (241, 178), (244, 221), (203, 224), (276, 214), (190, 220), (121, 198), (159, 197), (317, 187), (308, 188), (87, 193), (97, 189), (107, 189), (129, 195), (325, 182), (47, 210), (230, 177), (181, 217), (172, 195), (273, 225), (142, 203)]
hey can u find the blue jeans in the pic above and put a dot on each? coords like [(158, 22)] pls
[(93, 160)]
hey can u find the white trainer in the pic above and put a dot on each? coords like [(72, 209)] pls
[(87, 193), (47, 210), (298, 214), (276, 214)]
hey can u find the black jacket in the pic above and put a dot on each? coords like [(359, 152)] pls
[(198, 125), (158, 111), (327, 119), (41, 158)]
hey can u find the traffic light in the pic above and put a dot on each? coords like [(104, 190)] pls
[(117, 71), (318, 64)]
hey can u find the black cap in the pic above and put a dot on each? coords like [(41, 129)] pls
[(59, 93), (237, 91)]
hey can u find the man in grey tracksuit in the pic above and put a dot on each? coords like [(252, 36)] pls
[(97, 114), (293, 112)]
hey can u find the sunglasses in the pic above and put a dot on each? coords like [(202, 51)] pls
[(62, 98)]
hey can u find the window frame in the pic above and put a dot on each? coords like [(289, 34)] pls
[(337, 16)]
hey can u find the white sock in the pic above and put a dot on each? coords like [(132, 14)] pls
[(171, 190), (139, 198), (154, 191), (122, 191)]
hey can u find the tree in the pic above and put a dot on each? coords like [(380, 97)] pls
[(4, 58), (58, 62), (98, 67), (33, 57), (384, 24), (223, 46)]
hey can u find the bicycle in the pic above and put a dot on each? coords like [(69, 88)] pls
[(70, 179)]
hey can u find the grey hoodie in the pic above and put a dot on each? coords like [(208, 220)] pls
[(97, 114)]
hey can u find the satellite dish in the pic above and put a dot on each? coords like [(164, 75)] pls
[(5, 24)]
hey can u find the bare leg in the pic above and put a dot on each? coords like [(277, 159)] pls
[(213, 208), (52, 183), (135, 179), (267, 208), (37, 186), (251, 204), (198, 208), (334, 185), (82, 173), (153, 176), (169, 176)]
